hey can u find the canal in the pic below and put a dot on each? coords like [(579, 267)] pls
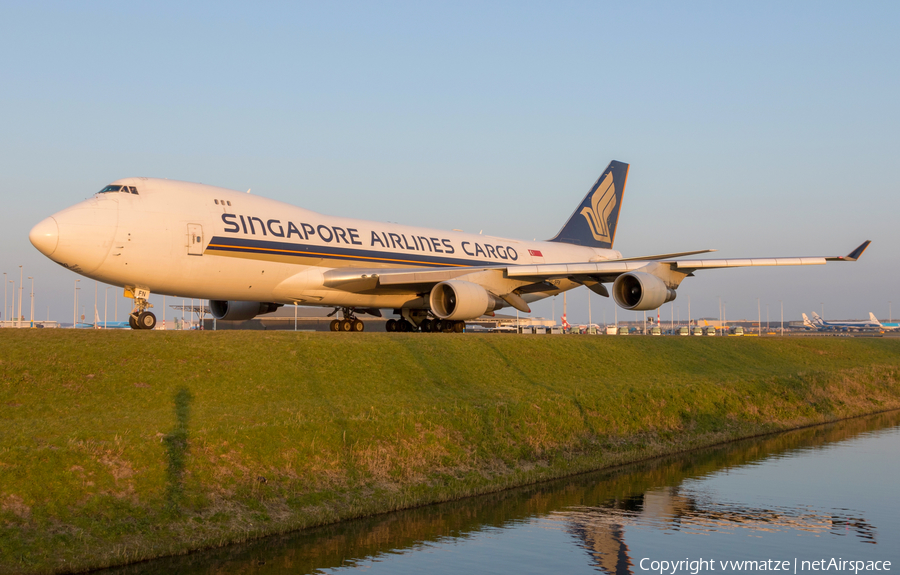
[(805, 501)]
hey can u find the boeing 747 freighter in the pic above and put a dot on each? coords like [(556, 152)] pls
[(248, 255)]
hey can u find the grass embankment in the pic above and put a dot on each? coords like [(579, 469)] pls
[(121, 446)]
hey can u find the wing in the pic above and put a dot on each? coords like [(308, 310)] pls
[(748, 262), (510, 282)]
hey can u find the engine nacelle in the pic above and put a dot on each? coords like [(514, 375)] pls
[(240, 310), (641, 291), (461, 300)]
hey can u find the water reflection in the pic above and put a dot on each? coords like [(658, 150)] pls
[(674, 496), (601, 529)]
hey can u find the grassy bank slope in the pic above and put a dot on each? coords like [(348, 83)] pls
[(119, 446)]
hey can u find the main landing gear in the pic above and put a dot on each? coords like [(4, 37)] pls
[(349, 323), (417, 319), (427, 325), (140, 318)]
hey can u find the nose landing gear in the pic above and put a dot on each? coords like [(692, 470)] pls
[(140, 318)]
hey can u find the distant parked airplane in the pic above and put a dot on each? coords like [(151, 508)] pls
[(821, 324), (114, 325)]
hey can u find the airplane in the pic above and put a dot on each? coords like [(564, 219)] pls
[(114, 325), (100, 324), (249, 255), (807, 325), (871, 323)]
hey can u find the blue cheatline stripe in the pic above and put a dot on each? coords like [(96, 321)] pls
[(241, 245)]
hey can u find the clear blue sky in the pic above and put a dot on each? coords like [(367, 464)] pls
[(759, 129)]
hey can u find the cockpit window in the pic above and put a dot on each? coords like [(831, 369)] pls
[(123, 189)]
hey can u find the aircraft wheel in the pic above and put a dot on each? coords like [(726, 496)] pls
[(390, 325), (427, 325), (459, 326), (405, 326), (132, 321), (357, 325), (146, 320), (335, 325), (346, 325)]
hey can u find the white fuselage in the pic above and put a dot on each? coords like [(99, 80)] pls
[(194, 240)]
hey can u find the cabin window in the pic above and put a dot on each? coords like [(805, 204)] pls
[(229, 202), (108, 189), (133, 190), (217, 202)]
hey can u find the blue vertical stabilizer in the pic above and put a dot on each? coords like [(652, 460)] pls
[(594, 222)]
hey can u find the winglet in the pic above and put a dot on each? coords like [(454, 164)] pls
[(852, 256)]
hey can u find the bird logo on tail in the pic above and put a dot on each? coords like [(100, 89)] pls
[(603, 202)]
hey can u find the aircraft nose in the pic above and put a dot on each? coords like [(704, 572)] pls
[(79, 237), (45, 236)]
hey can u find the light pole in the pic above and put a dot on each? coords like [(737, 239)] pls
[(105, 302), (590, 319), (32, 300), (823, 310), (5, 316), (720, 310), (95, 307), (12, 304), (75, 304), (758, 318), (782, 317), (19, 317), (890, 318)]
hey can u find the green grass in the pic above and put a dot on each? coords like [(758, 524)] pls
[(120, 446)]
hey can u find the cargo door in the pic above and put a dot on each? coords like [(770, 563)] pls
[(195, 240)]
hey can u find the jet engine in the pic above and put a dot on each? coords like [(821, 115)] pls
[(240, 310), (461, 300), (641, 291)]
